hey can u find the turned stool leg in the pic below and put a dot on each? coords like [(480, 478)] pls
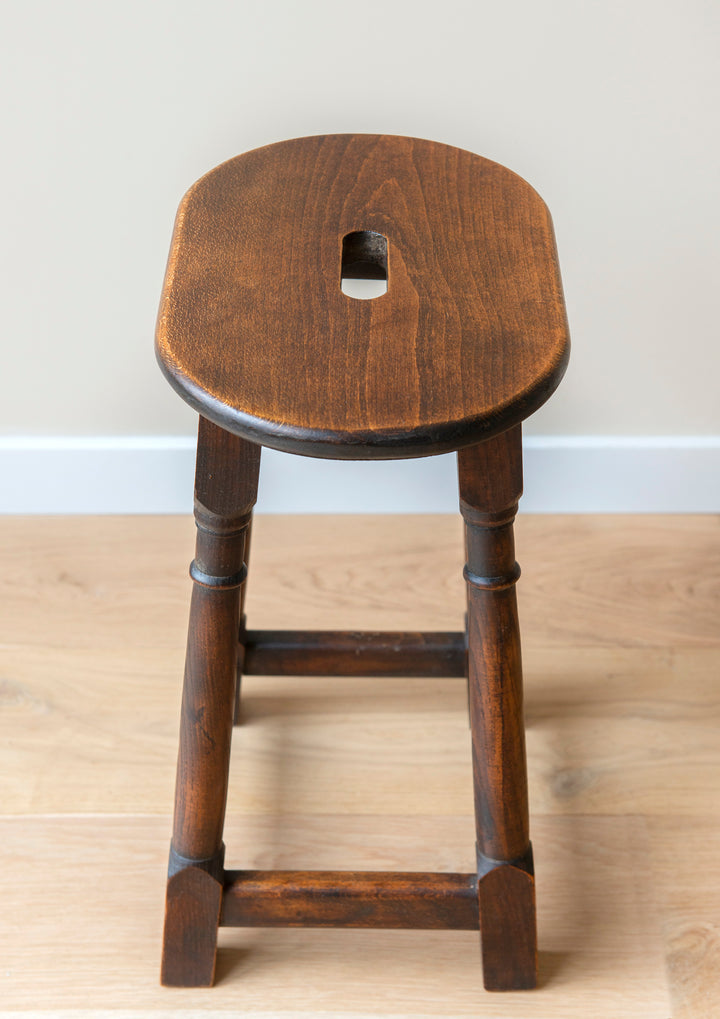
[(490, 476), (225, 491)]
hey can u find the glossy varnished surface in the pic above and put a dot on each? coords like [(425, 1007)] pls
[(255, 332)]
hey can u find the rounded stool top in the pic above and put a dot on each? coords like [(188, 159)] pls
[(256, 333)]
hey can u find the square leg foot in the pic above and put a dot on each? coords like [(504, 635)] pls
[(192, 915), (506, 894)]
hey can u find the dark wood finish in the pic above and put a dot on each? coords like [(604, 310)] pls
[(342, 653), (255, 332), (506, 897), (192, 915), (299, 898), (490, 477), (225, 491)]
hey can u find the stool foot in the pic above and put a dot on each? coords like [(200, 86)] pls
[(192, 916), (506, 895)]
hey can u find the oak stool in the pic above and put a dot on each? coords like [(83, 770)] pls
[(256, 333)]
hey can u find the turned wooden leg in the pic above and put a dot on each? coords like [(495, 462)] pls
[(490, 476), (225, 492)]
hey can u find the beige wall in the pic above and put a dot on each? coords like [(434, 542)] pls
[(608, 108)]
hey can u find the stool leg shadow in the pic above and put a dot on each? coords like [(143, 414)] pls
[(225, 492), (490, 478), (238, 720)]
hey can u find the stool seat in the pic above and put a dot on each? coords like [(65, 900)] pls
[(255, 332)]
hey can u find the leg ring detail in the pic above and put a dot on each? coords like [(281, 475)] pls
[(210, 580)]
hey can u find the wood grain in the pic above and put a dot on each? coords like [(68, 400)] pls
[(220, 647), (690, 893), (617, 721), (490, 479), (616, 582), (348, 653), (382, 900), (599, 930), (621, 657), (226, 481), (255, 332)]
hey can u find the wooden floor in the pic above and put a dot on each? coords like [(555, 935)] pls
[(621, 626)]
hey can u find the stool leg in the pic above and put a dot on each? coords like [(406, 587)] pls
[(490, 476), (225, 491)]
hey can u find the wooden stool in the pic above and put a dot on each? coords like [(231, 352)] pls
[(257, 335)]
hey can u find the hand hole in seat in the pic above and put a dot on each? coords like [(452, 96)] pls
[(363, 271)]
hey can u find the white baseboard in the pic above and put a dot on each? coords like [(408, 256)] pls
[(563, 474)]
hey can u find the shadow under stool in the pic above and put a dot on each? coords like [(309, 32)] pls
[(256, 332)]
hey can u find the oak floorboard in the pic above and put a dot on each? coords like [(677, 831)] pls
[(685, 856), (608, 581), (93, 888), (609, 731), (622, 653)]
